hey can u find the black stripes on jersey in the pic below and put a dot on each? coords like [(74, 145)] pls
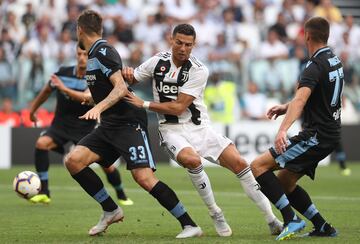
[(103, 62), (324, 75), (67, 111), (166, 89)]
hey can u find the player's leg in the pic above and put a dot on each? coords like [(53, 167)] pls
[(137, 153), (168, 199), (230, 158), (43, 145), (340, 156), (114, 178), (189, 159), (262, 168), (301, 201), (92, 149)]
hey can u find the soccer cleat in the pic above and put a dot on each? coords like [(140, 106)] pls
[(40, 198), (125, 202), (327, 231), (221, 226), (107, 218), (346, 172), (276, 226), (291, 229), (190, 231)]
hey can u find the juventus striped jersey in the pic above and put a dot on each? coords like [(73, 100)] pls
[(169, 80)]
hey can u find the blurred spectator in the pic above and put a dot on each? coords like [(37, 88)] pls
[(16, 31), (28, 18), (149, 32), (235, 8), (70, 24), (230, 27), (220, 99), (161, 15), (56, 11), (66, 48), (123, 31), (280, 27), (8, 117), (273, 48), (327, 10), (253, 103), (7, 81), (180, 10), (11, 48)]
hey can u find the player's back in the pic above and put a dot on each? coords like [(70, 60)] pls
[(323, 109), (103, 62)]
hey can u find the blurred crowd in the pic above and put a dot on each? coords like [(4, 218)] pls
[(254, 49)]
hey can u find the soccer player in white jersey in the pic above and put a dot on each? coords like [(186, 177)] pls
[(179, 80)]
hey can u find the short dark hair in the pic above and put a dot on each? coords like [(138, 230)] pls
[(90, 21), (185, 29), (318, 29)]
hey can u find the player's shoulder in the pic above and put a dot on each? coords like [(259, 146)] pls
[(196, 63), (166, 55), (65, 70), (103, 50)]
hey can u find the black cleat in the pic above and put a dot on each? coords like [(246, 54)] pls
[(326, 231)]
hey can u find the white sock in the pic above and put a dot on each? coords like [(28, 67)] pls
[(252, 190), (202, 184)]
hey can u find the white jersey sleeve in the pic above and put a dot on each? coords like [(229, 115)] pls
[(145, 71), (197, 81)]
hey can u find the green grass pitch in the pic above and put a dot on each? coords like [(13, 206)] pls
[(72, 212)]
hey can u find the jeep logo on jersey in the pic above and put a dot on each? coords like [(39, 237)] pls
[(168, 88)]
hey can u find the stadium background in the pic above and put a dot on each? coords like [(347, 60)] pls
[(254, 49), (248, 74)]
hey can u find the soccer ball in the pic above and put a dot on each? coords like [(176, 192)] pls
[(27, 184)]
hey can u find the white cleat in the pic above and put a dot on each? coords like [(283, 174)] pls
[(190, 231), (276, 226), (221, 226), (107, 218)]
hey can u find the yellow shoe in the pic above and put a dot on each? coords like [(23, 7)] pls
[(126, 202), (40, 198), (346, 172)]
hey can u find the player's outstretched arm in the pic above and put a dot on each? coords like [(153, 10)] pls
[(176, 107), (83, 97), (294, 111), (39, 99), (119, 91)]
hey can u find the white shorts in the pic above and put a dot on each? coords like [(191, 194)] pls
[(202, 138)]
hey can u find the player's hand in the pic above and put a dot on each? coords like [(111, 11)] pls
[(133, 99), (56, 82), (33, 118), (93, 114), (276, 111), (128, 74), (281, 142)]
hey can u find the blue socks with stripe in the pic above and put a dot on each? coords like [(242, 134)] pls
[(273, 190), (300, 200), (93, 185), (168, 199)]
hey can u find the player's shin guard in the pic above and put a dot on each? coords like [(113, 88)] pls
[(42, 168), (201, 182), (272, 188), (115, 180), (252, 190), (93, 185), (300, 200), (168, 199)]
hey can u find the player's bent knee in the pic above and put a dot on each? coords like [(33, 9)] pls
[(190, 162), (256, 168), (74, 163), (43, 143), (144, 178)]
